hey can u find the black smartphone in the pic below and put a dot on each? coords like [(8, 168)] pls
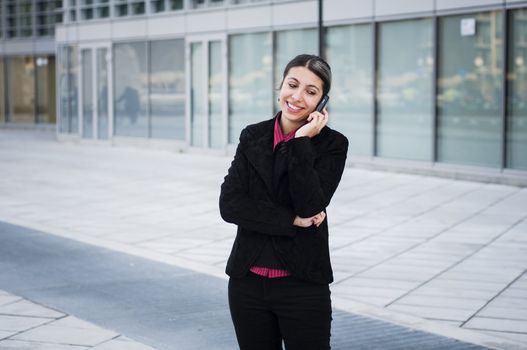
[(322, 103)]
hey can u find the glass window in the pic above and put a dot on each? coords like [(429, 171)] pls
[(167, 89), (21, 89), (517, 99), (102, 93), (215, 94), (62, 88), (289, 44), (469, 89), (157, 5), (130, 89), (250, 81), (87, 94), (197, 96), (404, 92), (2, 91), (46, 110), (176, 4), (349, 52)]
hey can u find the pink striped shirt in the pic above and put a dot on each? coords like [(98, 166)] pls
[(279, 136)]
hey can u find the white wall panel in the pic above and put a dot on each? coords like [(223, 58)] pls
[(166, 26), (338, 10), (295, 13), (205, 21), (455, 4), (130, 29), (95, 31), (390, 7), (249, 17), (22, 47), (61, 33), (44, 46)]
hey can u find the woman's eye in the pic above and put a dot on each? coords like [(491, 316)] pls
[(292, 86), (312, 92)]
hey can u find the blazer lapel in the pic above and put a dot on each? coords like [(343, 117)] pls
[(259, 152)]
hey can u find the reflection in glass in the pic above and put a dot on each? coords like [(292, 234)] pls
[(289, 44), (87, 94), (405, 90), (67, 89), (2, 92), (21, 89), (197, 97), (167, 89), (130, 89), (349, 52), (250, 81), (517, 99), (102, 93), (469, 90), (215, 94), (45, 89)]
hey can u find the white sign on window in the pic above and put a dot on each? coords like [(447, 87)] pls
[(468, 26)]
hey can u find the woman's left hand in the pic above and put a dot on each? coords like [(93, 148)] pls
[(317, 219), (315, 123)]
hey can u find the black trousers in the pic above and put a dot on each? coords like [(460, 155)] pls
[(266, 311)]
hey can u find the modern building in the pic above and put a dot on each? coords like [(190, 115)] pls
[(428, 86)]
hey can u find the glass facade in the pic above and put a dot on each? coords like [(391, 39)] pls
[(349, 52), (67, 89), (404, 90), (21, 89), (400, 89), (517, 92), (131, 89), (2, 91), (167, 89), (289, 44), (250, 81), (46, 104), (197, 96), (216, 78), (102, 93), (470, 90), (87, 93)]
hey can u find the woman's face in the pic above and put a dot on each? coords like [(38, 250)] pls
[(300, 93)]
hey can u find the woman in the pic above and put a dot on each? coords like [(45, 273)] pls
[(280, 182)]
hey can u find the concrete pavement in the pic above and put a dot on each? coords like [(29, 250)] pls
[(27, 325), (435, 254)]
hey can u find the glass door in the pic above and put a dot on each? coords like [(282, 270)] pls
[(207, 92), (102, 115), (87, 94), (95, 92)]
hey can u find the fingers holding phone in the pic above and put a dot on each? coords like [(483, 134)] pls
[(316, 121)]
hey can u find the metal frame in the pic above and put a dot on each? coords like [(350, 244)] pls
[(205, 41), (505, 88), (95, 103), (435, 82), (375, 87)]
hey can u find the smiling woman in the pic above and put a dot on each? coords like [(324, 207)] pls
[(277, 189)]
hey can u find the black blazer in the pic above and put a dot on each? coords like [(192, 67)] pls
[(247, 199)]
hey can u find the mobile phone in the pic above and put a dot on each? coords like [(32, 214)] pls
[(322, 103)]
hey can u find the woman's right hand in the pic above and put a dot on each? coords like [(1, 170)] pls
[(306, 222)]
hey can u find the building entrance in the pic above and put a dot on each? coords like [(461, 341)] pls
[(95, 92)]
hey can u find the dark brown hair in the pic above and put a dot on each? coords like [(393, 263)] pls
[(315, 64)]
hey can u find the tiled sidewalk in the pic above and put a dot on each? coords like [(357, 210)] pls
[(452, 254), (29, 326)]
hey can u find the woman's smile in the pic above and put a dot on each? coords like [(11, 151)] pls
[(293, 108)]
